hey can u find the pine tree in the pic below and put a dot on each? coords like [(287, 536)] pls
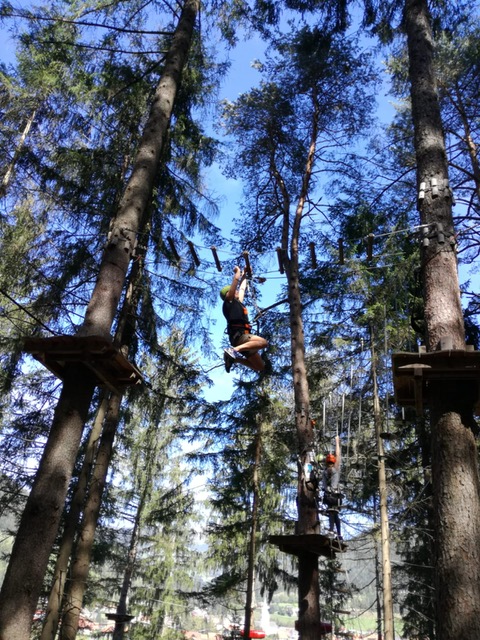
[(38, 532), (451, 403), (250, 497), (282, 129)]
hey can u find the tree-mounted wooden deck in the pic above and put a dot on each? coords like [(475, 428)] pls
[(412, 372), (316, 543), (121, 618), (97, 354)]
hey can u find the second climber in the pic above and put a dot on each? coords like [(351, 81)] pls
[(332, 497)]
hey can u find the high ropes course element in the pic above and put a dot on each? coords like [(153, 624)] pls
[(95, 354), (411, 372), (423, 232)]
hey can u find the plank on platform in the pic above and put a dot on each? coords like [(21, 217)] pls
[(316, 543), (98, 354)]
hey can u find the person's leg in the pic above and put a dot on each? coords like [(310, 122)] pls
[(248, 345), (338, 525), (331, 520), (249, 342), (254, 362)]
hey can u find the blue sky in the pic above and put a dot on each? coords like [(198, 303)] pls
[(241, 77)]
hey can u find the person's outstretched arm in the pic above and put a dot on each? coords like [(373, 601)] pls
[(237, 275), (338, 453), (242, 287)]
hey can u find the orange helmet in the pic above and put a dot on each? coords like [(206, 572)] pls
[(330, 458)]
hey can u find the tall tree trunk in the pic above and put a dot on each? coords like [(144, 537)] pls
[(378, 582), (456, 485), (103, 304), (83, 549), (80, 565), (455, 96), (11, 166), (425, 443), (50, 625), (121, 611), (107, 414), (40, 521), (382, 490), (253, 533), (308, 586), (443, 311)]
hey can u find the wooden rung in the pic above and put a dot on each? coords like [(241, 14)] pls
[(216, 258)]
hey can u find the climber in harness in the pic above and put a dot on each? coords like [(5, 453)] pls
[(245, 345), (332, 497)]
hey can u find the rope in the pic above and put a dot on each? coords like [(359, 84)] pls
[(25, 310), (251, 292)]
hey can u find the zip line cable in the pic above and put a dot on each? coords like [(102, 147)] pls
[(25, 310)]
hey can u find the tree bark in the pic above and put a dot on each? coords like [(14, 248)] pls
[(103, 304), (109, 407), (308, 586), (249, 600), (455, 479), (121, 611), (50, 626), (388, 625), (468, 139), (41, 517), (443, 311), (83, 548), (11, 166), (40, 521)]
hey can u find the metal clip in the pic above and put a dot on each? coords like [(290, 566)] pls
[(440, 233), (425, 239)]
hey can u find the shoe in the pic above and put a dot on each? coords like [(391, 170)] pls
[(339, 538), (228, 360), (233, 353)]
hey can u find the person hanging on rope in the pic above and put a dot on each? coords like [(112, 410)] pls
[(332, 497), (245, 345)]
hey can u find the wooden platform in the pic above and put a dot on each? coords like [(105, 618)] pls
[(121, 618), (315, 543), (96, 353), (413, 371), (322, 628)]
